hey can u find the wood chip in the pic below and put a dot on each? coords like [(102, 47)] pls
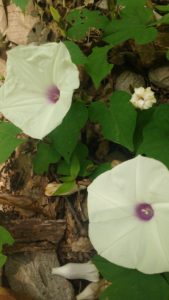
[(34, 234)]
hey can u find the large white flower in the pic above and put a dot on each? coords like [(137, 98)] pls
[(129, 215), (38, 89), (143, 98)]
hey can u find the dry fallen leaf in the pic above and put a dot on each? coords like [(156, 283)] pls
[(2, 67), (7, 294), (86, 2), (19, 25), (103, 4), (3, 20)]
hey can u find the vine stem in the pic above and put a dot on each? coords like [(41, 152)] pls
[(149, 3)]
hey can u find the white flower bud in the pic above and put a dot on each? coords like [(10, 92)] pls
[(143, 98), (86, 271)]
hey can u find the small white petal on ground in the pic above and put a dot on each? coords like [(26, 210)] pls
[(86, 271)]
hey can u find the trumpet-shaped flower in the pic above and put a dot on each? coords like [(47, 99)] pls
[(143, 98), (129, 215), (38, 89)]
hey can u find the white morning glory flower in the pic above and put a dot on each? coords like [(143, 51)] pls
[(38, 89), (143, 98), (129, 215)]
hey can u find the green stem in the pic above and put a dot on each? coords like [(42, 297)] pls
[(111, 7)]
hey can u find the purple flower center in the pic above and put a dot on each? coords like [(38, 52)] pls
[(53, 94), (144, 211)]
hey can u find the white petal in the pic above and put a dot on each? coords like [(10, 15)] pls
[(151, 257), (87, 271), (116, 240), (152, 179), (36, 116), (40, 55), (114, 186), (66, 76), (32, 66), (107, 209), (139, 91), (49, 118)]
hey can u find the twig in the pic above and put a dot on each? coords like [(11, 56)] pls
[(80, 226)]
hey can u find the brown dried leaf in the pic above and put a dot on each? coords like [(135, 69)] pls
[(103, 4), (2, 67), (3, 20), (87, 2), (39, 34), (19, 25)]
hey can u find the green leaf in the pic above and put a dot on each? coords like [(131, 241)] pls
[(83, 168), (155, 142), (46, 154), (66, 135), (145, 36), (8, 140), (77, 55), (82, 20), (135, 23), (130, 284), (164, 20), (166, 276), (66, 179), (74, 167), (65, 188), (132, 9), (5, 237), (63, 168), (97, 66), (163, 8), (3, 259), (21, 3), (55, 14), (167, 54), (100, 169), (137, 287), (143, 118), (86, 165), (118, 120), (141, 34)]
